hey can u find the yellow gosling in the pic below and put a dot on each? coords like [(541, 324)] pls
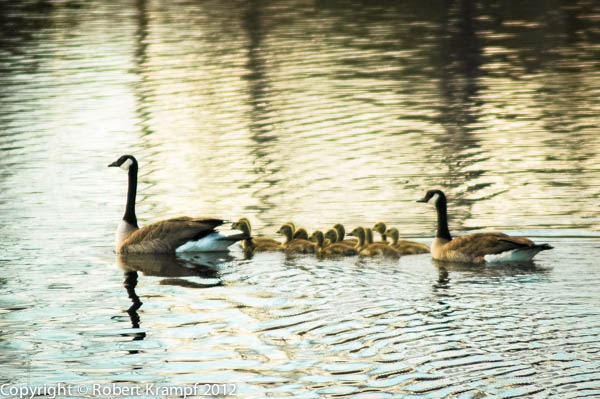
[(372, 249), (339, 228), (253, 244), (331, 236), (404, 246), (297, 245), (381, 228), (331, 249)]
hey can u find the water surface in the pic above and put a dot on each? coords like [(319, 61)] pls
[(318, 112)]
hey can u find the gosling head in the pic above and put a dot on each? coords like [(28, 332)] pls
[(381, 228), (331, 235), (243, 224), (317, 236), (393, 233), (286, 230), (292, 225), (125, 162), (301, 234), (359, 233), (340, 230)]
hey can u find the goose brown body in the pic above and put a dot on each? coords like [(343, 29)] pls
[(474, 247), (479, 247), (167, 235)]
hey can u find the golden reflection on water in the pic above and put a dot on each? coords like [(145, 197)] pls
[(335, 116), (336, 129)]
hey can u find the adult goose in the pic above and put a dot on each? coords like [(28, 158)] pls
[(167, 236), (478, 247)]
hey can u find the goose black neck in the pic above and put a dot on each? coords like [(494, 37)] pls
[(129, 216), (442, 214)]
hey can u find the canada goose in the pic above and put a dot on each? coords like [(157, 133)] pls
[(341, 235), (381, 228), (479, 247), (252, 244), (167, 236), (297, 245), (332, 249), (374, 249), (404, 246)]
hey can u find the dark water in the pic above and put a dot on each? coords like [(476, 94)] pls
[(317, 112)]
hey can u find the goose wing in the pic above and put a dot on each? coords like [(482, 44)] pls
[(167, 235), (481, 244)]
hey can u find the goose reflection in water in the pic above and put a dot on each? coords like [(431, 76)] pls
[(509, 269), (177, 269)]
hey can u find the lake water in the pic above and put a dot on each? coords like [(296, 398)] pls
[(317, 112)]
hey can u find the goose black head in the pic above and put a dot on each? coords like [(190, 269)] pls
[(124, 162), (433, 193)]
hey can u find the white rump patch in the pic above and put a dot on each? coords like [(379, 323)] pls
[(515, 255), (125, 165), (211, 243)]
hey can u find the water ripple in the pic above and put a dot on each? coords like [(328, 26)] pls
[(317, 113)]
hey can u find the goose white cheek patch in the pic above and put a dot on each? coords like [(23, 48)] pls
[(125, 165)]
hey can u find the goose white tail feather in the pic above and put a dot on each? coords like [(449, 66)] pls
[(516, 255), (215, 242)]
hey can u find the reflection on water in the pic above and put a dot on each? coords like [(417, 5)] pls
[(317, 112), (178, 270)]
